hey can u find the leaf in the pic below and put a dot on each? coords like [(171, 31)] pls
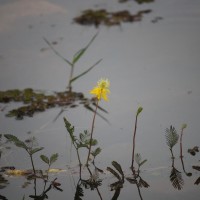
[(85, 72), (11, 138), (142, 162), (70, 129), (171, 136), (36, 150), (176, 179), (131, 180), (79, 193), (118, 167), (56, 52), (21, 144), (53, 158), (80, 53), (114, 173), (196, 167), (96, 152), (197, 181), (45, 159), (138, 158), (143, 183)]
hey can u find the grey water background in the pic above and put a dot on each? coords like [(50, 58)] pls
[(153, 65)]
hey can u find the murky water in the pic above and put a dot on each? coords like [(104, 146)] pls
[(150, 64)]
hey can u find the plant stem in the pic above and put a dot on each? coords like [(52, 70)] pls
[(70, 78), (181, 149), (32, 163), (132, 167), (172, 153), (92, 130), (79, 160)]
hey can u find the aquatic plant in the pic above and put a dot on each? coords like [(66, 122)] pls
[(171, 138), (100, 91), (28, 146), (139, 161), (181, 148), (103, 17), (83, 141), (134, 135), (49, 161), (75, 59)]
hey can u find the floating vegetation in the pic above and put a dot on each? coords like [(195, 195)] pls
[(137, 1), (144, 1), (39, 102), (102, 17)]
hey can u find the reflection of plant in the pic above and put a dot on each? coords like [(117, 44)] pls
[(134, 134), (119, 174), (176, 177), (27, 145), (75, 59), (171, 138), (198, 179), (43, 195)]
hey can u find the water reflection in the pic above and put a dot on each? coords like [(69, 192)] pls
[(176, 177), (52, 185)]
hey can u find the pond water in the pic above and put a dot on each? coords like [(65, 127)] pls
[(151, 63)]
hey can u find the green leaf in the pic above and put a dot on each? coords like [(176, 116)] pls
[(138, 158), (36, 150), (114, 173), (96, 152), (70, 130), (85, 72), (139, 110), (56, 52), (11, 138), (80, 53), (53, 158), (21, 144), (45, 159), (142, 162), (171, 136), (118, 167), (16, 141)]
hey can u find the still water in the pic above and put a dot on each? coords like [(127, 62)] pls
[(151, 64)]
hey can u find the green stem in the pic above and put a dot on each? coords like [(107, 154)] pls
[(181, 149), (135, 128), (32, 164), (79, 160), (70, 78), (92, 130)]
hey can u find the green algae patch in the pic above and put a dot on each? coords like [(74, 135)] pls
[(103, 17), (35, 102)]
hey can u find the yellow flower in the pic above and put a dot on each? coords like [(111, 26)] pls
[(102, 89)]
